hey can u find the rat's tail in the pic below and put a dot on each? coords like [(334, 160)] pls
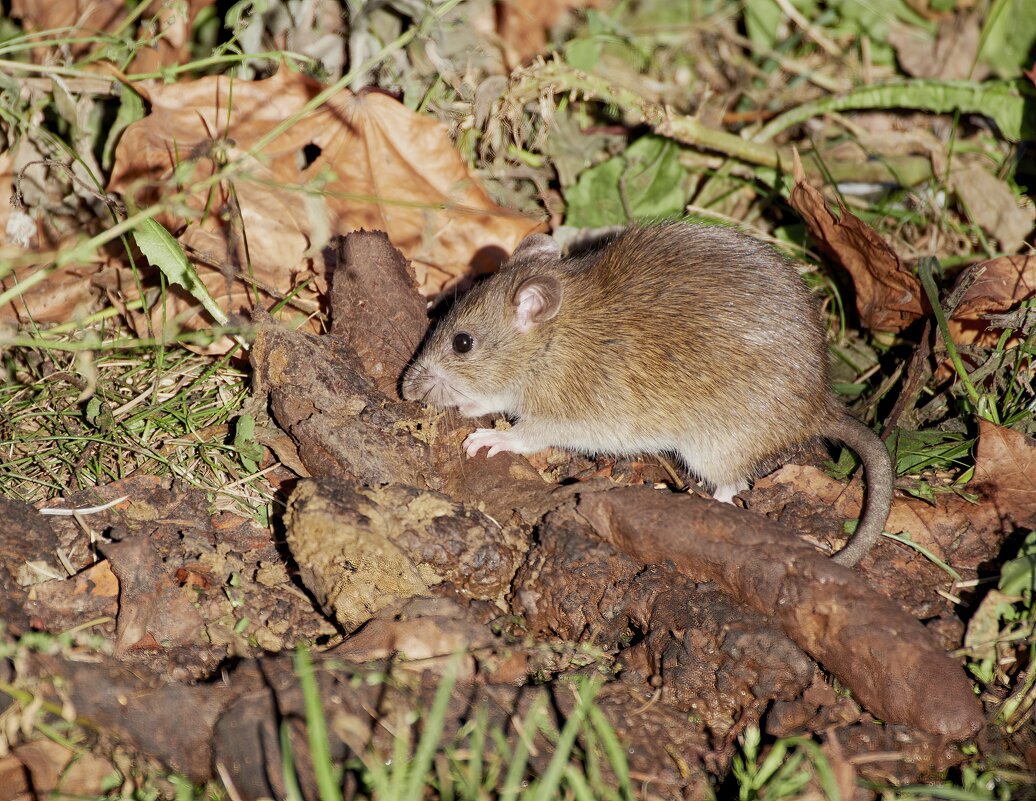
[(880, 477)]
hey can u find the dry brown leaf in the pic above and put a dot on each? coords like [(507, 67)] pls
[(174, 22), (993, 206), (888, 296), (951, 55), (360, 161), (58, 770), (523, 24), (89, 16), (65, 295), (1005, 464), (1005, 282)]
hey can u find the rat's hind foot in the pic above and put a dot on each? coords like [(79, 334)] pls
[(725, 492)]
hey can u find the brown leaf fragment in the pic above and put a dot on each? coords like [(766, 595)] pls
[(65, 295), (993, 206), (888, 296), (169, 41), (153, 611), (86, 15), (1005, 465), (888, 660), (14, 780), (376, 307), (54, 772), (90, 594), (426, 632), (1004, 283), (950, 55)]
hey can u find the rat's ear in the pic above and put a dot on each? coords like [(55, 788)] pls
[(535, 301), (537, 246)]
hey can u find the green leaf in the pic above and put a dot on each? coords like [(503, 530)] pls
[(762, 17), (164, 252), (250, 451), (650, 174), (583, 54), (872, 17), (1018, 576), (131, 109), (1005, 102), (921, 450), (1009, 36)]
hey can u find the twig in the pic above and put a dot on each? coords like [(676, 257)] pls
[(825, 44)]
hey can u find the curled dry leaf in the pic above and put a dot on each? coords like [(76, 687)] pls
[(888, 296), (1005, 464), (1004, 283), (359, 161)]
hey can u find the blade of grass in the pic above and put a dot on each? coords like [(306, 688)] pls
[(548, 787), (432, 731), (614, 750), (925, 271), (292, 790), (530, 726), (316, 727)]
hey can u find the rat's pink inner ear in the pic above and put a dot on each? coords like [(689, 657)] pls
[(536, 300)]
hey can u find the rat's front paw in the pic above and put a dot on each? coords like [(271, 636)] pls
[(496, 441)]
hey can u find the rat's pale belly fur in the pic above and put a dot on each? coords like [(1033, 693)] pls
[(717, 457)]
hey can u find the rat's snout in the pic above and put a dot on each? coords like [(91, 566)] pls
[(427, 383), (412, 385)]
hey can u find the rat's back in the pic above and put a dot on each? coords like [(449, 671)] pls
[(705, 338)]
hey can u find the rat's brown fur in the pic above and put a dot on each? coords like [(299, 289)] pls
[(683, 338)]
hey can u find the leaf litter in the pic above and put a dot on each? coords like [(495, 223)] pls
[(542, 584)]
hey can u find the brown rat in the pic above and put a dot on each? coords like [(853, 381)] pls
[(685, 338)]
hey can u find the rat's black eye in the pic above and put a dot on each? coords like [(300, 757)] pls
[(462, 342)]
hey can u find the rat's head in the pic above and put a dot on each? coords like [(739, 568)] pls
[(479, 354)]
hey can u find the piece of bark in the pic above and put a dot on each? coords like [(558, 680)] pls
[(169, 721), (342, 423), (361, 549), (25, 536), (376, 306), (885, 657), (154, 613), (707, 656)]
